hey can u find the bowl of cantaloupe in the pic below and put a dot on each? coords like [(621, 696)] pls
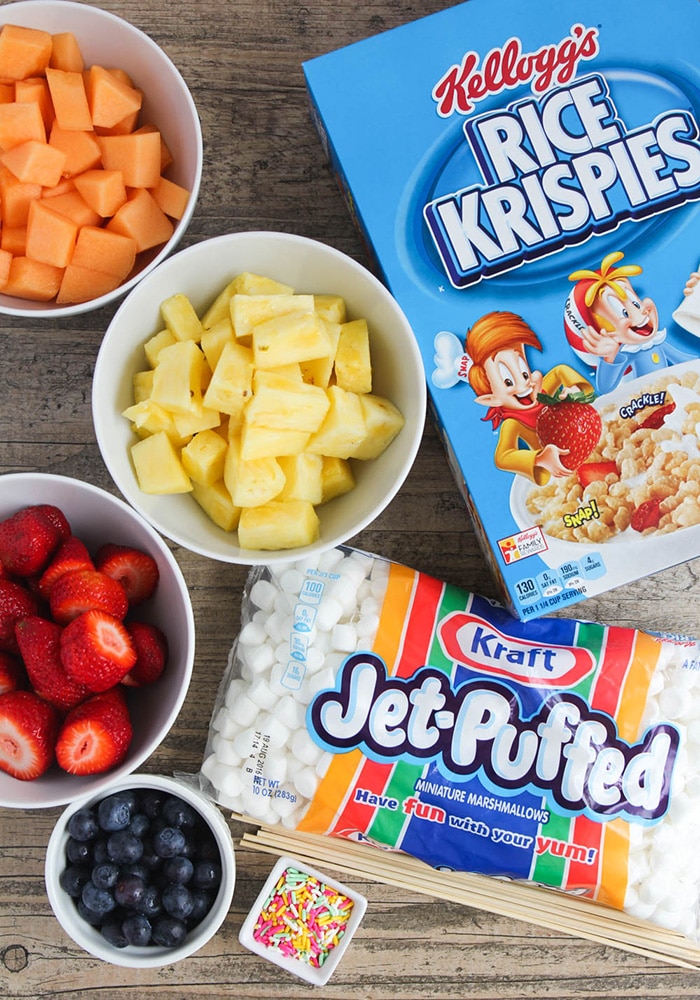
[(100, 157), (259, 397)]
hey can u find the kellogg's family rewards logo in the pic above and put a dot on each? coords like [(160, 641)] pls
[(557, 167)]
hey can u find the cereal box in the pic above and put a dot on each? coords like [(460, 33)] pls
[(526, 177)]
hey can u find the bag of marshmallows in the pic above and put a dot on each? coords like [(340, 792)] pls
[(367, 700)]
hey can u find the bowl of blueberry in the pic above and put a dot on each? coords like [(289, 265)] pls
[(141, 874)]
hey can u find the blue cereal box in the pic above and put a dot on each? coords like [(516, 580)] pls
[(527, 180)]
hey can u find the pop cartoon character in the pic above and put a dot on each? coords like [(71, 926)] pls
[(494, 363), (611, 327)]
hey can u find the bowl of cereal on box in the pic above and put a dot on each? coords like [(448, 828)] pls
[(258, 397), (142, 873), (100, 157), (96, 639)]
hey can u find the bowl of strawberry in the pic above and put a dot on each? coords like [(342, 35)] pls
[(96, 639), (142, 873)]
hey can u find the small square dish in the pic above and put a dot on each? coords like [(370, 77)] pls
[(302, 921)]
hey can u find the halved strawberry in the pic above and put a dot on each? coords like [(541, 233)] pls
[(593, 472), (96, 650), (95, 735), (151, 648), (12, 673), (28, 539), (81, 590), (16, 601), (137, 571), (28, 728), (40, 645), (71, 554)]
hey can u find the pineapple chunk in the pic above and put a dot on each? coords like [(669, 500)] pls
[(204, 456), (319, 371), (343, 430), (155, 345), (303, 478), (213, 340), (158, 467), (331, 308), (292, 371), (148, 417), (248, 311), (200, 418), (248, 283), (279, 525), (231, 383), (180, 317), (383, 421), (177, 378), (142, 383), (220, 307), (353, 368), (293, 337), (270, 442), (336, 478), (250, 482), (215, 501), (280, 402)]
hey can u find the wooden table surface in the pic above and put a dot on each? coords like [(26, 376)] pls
[(264, 169)]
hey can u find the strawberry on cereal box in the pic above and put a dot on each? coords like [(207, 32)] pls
[(529, 187)]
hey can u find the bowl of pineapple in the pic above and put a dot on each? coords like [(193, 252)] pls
[(258, 397)]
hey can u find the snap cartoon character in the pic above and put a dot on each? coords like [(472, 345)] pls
[(613, 328), (495, 364)]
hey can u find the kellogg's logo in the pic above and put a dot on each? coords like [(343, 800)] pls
[(473, 641), (508, 67)]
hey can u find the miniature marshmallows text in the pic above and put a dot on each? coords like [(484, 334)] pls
[(303, 619)]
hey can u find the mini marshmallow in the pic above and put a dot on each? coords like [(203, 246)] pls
[(276, 731), (244, 710), (257, 658), (276, 767), (328, 614), (344, 638), (278, 626), (306, 782), (262, 694), (291, 580), (330, 560), (262, 594), (224, 724), (344, 591), (236, 688), (367, 626), (304, 748), (225, 752), (289, 712), (285, 801)]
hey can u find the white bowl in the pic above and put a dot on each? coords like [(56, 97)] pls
[(110, 41), (201, 272), (95, 516), (151, 956)]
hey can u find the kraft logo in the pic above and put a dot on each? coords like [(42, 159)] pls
[(475, 642)]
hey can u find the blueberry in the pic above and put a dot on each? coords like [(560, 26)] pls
[(168, 842), (139, 824), (179, 813), (136, 869), (137, 930), (89, 915), (100, 854), (105, 876), (83, 825), (207, 874), (78, 851), (151, 802), (113, 933), (178, 869), (150, 904), (98, 900), (149, 859), (129, 890), (124, 847), (201, 904), (177, 901), (73, 878), (114, 813), (168, 932)]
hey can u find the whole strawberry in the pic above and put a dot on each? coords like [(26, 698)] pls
[(12, 673), (96, 650), (16, 601), (572, 424), (29, 537), (151, 648), (28, 728), (95, 736), (71, 554), (40, 646)]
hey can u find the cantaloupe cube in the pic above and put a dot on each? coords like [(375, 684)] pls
[(81, 149), (50, 236), (141, 219), (16, 198), (13, 239), (137, 155), (19, 123), (37, 89), (5, 262), (69, 99), (171, 198), (23, 51), (103, 190), (215, 501), (73, 206), (7, 93), (65, 53), (166, 157), (158, 467), (101, 250), (63, 187), (124, 127), (81, 284), (109, 98), (35, 162), (31, 279)]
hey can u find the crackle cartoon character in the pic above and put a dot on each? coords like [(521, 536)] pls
[(613, 328), (494, 362)]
